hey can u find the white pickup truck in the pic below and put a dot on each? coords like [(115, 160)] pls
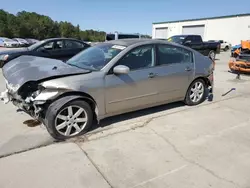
[(223, 44)]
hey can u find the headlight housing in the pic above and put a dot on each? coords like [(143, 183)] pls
[(4, 57), (45, 95)]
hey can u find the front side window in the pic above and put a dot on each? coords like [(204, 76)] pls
[(96, 57), (196, 39), (168, 54), (138, 58), (48, 46), (53, 45), (69, 44)]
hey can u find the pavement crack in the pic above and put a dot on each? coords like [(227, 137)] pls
[(193, 162), (96, 167), (25, 150)]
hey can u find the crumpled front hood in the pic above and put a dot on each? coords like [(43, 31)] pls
[(30, 68)]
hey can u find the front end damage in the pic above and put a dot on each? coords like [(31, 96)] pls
[(240, 64), (31, 98)]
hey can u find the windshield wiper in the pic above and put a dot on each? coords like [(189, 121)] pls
[(83, 67)]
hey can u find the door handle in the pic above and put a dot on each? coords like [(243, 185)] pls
[(188, 69), (152, 75)]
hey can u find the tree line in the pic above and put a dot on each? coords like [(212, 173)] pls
[(32, 25)]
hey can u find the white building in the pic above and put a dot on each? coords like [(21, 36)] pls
[(233, 28)]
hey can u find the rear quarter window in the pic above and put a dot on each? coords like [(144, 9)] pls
[(168, 54)]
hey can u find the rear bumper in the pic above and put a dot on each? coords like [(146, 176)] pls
[(211, 82)]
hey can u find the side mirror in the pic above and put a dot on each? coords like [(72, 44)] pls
[(187, 42), (121, 69)]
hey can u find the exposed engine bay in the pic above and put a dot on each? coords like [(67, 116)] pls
[(24, 77), (31, 97)]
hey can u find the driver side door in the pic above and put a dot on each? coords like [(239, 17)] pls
[(126, 92), (51, 49)]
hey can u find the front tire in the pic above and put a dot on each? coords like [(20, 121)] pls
[(226, 48), (196, 93), (65, 120)]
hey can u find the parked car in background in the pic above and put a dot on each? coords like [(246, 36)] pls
[(31, 41), (240, 64), (56, 48), (116, 36), (2, 41), (223, 44), (195, 42), (22, 42), (107, 79), (9, 43)]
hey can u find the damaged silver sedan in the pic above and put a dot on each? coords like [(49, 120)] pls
[(107, 79)]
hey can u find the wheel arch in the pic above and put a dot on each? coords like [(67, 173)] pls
[(76, 95), (205, 79)]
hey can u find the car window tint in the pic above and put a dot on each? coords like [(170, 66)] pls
[(73, 44), (58, 45), (53, 45), (126, 36), (138, 58), (48, 46), (168, 54)]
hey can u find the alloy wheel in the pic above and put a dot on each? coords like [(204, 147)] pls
[(197, 92), (71, 120)]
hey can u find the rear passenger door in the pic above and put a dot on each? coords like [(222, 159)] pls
[(175, 69)]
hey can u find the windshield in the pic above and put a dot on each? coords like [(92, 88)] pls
[(95, 57), (176, 39), (32, 47)]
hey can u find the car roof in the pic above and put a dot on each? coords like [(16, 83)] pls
[(62, 38), (130, 42), (186, 35)]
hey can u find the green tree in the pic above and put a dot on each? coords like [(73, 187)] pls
[(32, 25)]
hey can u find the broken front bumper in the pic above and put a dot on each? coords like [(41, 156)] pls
[(5, 96)]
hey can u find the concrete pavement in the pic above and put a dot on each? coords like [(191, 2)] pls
[(167, 146)]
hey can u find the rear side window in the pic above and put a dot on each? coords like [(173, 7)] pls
[(121, 36), (196, 39), (73, 44), (110, 37), (167, 54)]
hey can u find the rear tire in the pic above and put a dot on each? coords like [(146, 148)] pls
[(67, 119), (196, 93)]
